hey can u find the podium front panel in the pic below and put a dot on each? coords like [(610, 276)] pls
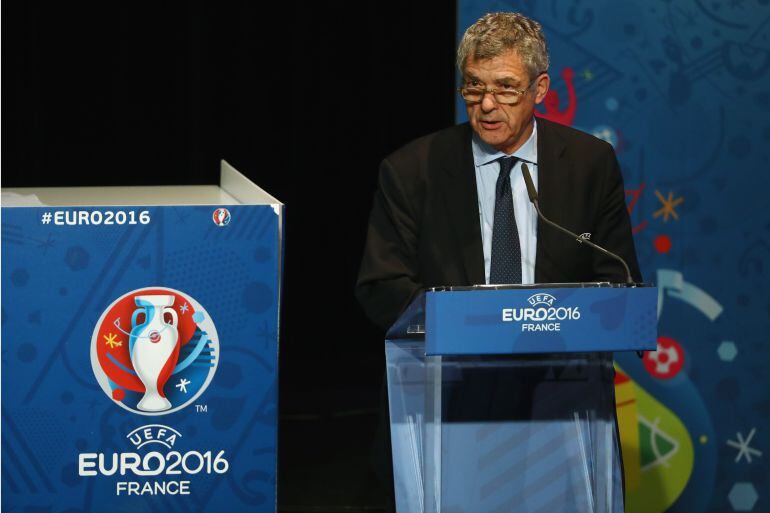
[(86, 425), (497, 434)]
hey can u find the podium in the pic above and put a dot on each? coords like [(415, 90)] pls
[(140, 348), (502, 399)]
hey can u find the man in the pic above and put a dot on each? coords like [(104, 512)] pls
[(443, 215), (452, 209)]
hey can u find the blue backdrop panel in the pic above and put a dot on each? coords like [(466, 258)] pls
[(682, 91), (60, 410)]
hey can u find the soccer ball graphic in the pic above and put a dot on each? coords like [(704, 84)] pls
[(666, 361)]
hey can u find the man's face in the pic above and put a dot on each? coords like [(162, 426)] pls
[(504, 127)]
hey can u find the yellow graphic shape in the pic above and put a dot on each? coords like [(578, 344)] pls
[(625, 404), (669, 206), (112, 340), (657, 449)]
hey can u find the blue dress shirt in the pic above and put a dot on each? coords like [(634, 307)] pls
[(487, 170)]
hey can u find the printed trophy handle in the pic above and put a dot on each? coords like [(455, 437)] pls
[(172, 312), (135, 315)]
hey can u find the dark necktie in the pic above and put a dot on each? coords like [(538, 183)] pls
[(506, 252)]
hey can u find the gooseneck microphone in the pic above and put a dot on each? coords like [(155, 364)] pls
[(532, 193)]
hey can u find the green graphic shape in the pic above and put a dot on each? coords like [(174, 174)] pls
[(654, 445), (666, 456)]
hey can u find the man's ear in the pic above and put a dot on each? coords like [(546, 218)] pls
[(542, 83)]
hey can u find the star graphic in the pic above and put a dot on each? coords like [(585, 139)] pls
[(112, 340), (266, 334), (184, 308), (669, 206), (182, 385), (46, 244), (181, 215), (588, 75), (744, 449)]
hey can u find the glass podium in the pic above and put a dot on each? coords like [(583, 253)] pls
[(493, 414)]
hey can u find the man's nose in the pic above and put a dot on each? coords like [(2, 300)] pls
[(488, 102)]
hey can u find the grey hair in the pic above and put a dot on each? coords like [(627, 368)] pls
[(495, 33)]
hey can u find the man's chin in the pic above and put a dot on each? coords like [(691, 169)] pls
[(495, 139)]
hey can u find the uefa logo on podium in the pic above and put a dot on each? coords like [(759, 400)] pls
[(221, 217), (154, 350)]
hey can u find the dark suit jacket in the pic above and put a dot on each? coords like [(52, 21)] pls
[(424, 228)]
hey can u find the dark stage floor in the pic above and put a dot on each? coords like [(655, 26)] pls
[(326, 459)]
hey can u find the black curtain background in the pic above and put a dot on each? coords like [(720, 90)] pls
[(306, 101)]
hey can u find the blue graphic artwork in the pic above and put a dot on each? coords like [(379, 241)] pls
[(681, 89)]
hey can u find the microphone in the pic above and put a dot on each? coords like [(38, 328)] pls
[(532, 193)]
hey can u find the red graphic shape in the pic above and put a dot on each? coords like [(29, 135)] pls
[(621, 378), (667, 361), (551, 101), (118, 394), (662, 243), (635, 194)]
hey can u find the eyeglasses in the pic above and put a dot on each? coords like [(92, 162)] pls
[(504, 97)]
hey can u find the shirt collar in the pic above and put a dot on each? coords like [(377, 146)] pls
[(484, 154)]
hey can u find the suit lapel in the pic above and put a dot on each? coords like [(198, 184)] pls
[(462, 204), (550, 172)]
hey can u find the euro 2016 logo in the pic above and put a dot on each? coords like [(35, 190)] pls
[(221, 217), (154, 350)]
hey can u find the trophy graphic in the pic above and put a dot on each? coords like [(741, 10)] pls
[(170, 340), (154, 348), (221, 217)]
